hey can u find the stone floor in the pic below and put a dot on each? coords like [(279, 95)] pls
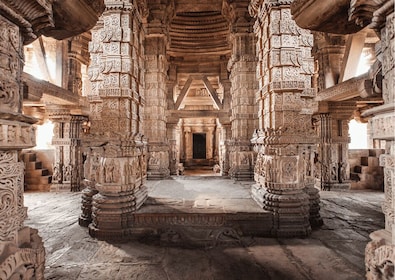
[(336, 251)]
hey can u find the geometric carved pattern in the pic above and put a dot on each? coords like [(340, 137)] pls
[(286, 140), (12, 212)]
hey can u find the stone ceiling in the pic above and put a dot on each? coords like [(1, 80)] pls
[(199, 32)]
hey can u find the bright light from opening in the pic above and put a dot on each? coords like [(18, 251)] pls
[(44, 135), (364, 63), (358, 134)]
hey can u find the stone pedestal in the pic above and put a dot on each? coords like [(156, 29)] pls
[(282, 186)]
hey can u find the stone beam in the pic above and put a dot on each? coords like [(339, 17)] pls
[(212, 91), (45, 92), (352, 55), (325, 16), (39, 51), (352, 88), (183, 92)]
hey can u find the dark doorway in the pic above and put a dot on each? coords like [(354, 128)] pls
[(199, 146)]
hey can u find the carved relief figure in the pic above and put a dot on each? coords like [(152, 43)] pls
[(57, 175), (109, 170), (67, 173), (11, 134), (95, 173)]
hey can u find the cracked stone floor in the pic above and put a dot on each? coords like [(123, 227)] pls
[(335, 251)]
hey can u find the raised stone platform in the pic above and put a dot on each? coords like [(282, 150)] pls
[(199, 211), (334, 251)]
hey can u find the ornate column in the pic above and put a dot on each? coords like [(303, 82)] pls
[(333, 148), (285, 142), (188, 144), (21, 249), (116, 153), (156, 93), (380, 252), (67, 168), (242, 67)]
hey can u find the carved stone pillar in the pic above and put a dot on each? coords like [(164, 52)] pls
[(67, 169), (188, 145), (380, 252), (155, 94), (116, 153), (210, 143), (333, 148), (286, 141), (173, 134), (224, 145), (242, 68), (21, 249)]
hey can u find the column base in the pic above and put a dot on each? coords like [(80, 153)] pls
[(240, 174), (56, 187), (380, 256), (327, 186), (159, 174), (290, 210), (112, 217), (86, 200), (25, 260), (314, 201)]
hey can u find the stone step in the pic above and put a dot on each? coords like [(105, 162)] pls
[(196, 223), (38, 187), (37, 172), (38, 180), (29, 156), (33, 165), (369, 161)]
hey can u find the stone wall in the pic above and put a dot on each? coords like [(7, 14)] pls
[(365, 170)]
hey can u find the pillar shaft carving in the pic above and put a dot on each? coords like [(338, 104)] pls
[(285, 142), (21, 249), (333, 150), (68, 164), (115, 150), (155, 118), (380, 252), (242, 66)]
